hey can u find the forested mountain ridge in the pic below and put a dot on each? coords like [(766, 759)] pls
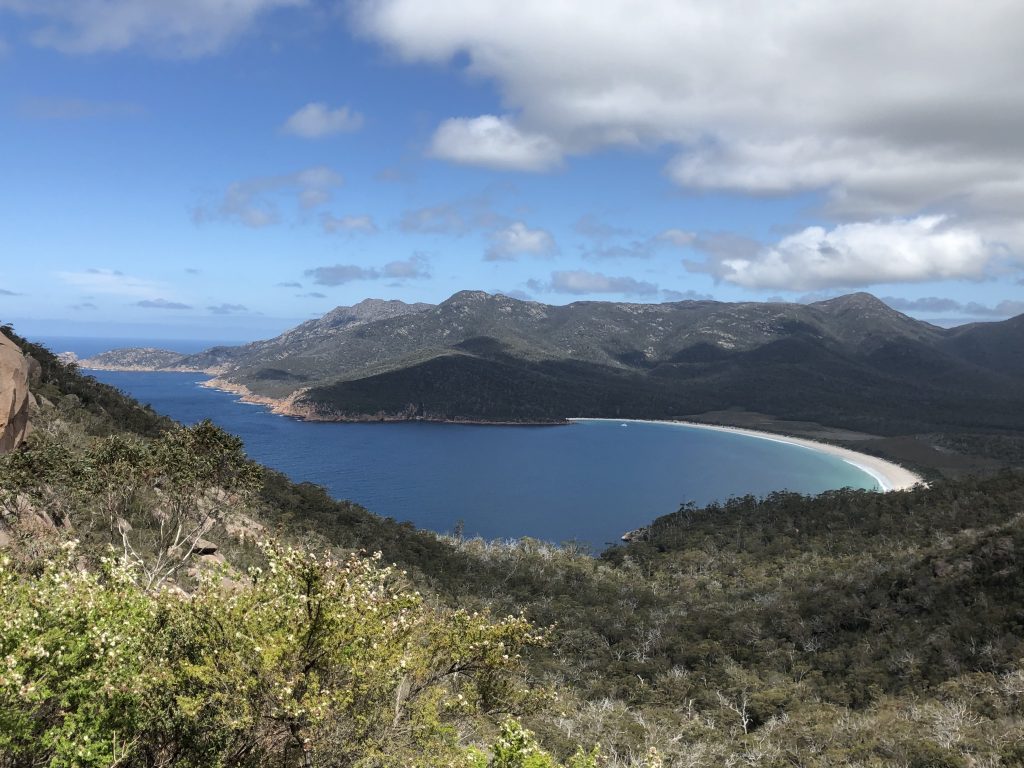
[(851, 362)]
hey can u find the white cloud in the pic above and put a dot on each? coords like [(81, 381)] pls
[(348, 224), (517, 240), (316, 120), (853, 255), (253, 202), (894, 107), (581, 282), (494, 142), (169, 27), (113, 282)]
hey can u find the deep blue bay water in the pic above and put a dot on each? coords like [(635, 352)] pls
[(591, 481)]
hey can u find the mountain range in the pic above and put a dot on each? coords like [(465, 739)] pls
[(850, 362)]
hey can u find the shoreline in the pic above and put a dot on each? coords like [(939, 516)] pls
[(889, 475)]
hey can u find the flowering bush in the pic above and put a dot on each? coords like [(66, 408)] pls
[(308, 661)]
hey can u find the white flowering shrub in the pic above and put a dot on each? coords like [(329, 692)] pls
[(309, 661), (76, 664)]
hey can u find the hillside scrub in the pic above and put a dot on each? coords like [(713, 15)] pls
[(308, 661)]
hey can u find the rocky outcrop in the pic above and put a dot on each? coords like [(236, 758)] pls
[(16, 402)]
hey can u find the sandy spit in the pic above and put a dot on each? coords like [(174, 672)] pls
[(889, 475)]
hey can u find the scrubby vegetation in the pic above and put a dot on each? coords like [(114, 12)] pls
[(307, 661), (853, 628)]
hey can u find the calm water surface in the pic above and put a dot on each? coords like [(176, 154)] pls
[(590, 482)]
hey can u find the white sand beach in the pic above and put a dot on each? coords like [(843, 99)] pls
[(888, 475)]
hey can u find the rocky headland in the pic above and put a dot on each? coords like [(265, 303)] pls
[(16, 401)]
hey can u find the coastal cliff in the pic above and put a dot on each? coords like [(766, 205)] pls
[(16, 401)]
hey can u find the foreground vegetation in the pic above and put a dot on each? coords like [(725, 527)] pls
[(307, 661), (848, 629)]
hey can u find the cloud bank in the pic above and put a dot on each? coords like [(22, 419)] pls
[(854, 255), (892, 109)]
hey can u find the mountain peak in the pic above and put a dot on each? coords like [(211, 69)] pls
[(860, 300), (467, 297)]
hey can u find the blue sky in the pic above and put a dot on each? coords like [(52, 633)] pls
[(228, 168)]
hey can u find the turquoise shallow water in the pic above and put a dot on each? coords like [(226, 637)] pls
[(591, 481)]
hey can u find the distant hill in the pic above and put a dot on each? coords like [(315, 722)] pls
[(851, 361)]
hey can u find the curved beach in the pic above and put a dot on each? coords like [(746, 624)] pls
[(889, 475)]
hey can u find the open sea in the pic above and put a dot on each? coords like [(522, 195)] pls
[(589, 482)]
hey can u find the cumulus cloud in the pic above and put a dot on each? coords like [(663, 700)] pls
[(853, 255), (5, 292), (416, 266), (936, 305), (183, 28), (161, 304), (348, 224), (227, 309), (312, 295), (317, 120), (581, 282), (84, 306), (517, 240), (289, 285), (762, 98), (253, 202), (494, 142)]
